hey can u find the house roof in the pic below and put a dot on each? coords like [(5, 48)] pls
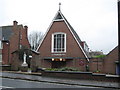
[(5, 32), (16, 51), (60, 17)]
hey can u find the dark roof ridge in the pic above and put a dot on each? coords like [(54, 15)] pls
[(74, 32)]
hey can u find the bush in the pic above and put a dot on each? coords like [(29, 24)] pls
[(97, 71), (51, 69), (62, 69), (68, 69), (100, 56)]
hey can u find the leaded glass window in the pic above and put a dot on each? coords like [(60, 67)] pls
[(59, 42)]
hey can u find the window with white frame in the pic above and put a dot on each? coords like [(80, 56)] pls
[(0, 57), (59, 42), (0, 44)]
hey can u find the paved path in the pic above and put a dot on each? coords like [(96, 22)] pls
[(38, 77)]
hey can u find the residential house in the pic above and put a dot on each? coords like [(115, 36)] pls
[(95, 53), (12, 38)]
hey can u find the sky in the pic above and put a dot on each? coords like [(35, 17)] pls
[(95, 21)]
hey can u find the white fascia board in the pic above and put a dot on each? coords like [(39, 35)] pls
[(47, 31), (58, 20), (76, 39), (78, 42), (70, 31), (44, 35)]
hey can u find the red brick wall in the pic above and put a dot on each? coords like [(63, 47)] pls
[(109, 62), (15, 40), (5, 52), (16, 63), (96, 64), (24, 41), (72, 48)]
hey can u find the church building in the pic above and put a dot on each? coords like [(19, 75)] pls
[(62, 47)]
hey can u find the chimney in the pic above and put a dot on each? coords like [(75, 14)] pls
[(26, 29), (15, 23)]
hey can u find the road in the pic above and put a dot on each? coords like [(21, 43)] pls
[(21, 80), (17, 83)]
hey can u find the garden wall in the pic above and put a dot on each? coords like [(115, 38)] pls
[(81, 75)]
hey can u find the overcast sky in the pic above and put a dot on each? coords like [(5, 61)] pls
[(95, 21)]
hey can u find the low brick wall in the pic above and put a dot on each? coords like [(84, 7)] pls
[(81, 76), (5, 67)]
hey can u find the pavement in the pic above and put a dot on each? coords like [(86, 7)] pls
[(37, 77)]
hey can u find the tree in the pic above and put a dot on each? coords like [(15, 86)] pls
[(35, 39)]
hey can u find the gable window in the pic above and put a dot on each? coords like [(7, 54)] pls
[(59, 42)]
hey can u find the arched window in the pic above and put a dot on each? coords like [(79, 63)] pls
[(59, 42)]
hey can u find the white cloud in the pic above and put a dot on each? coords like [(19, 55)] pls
[(94, 20)]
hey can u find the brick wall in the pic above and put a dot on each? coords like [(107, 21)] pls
[(5, 53), (19, 37), (96, 64), (109, 65), (81, 76), (72, 47)]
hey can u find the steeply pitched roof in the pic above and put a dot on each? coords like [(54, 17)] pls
[(74, 32), (60, 17)]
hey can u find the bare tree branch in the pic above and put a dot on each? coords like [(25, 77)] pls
[(35, 39)]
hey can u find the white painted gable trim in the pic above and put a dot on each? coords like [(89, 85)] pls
[(70, 31), (49, 29), (44, 37), (77, 41), (59, 20), (75, 37)]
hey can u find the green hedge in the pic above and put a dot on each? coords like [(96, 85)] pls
[(100, 56), (62, 69)]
